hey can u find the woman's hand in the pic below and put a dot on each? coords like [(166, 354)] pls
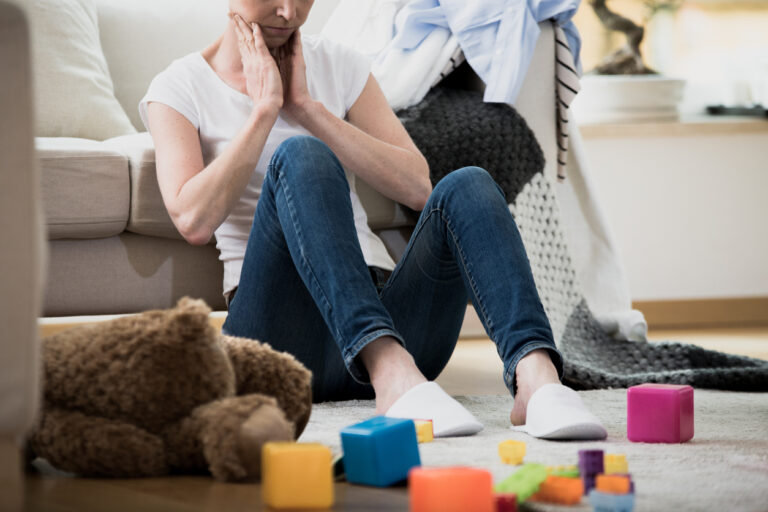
[(293, 69), (263, 80)]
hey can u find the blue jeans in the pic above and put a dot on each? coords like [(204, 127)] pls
[(306, 289)]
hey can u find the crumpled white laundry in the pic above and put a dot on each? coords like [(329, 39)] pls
[(497, 37), (428, 401), (557, 412)]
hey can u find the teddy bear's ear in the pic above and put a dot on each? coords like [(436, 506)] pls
[(190, 316), (190, 306)]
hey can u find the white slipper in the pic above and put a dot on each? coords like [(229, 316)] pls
[(428, 401), (557, 412)]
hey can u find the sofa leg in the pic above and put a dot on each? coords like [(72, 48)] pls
[(11, 484)]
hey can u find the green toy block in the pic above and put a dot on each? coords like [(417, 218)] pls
[(564, 471), (524, 482)]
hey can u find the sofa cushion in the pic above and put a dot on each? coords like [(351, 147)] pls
[(140, 38), (85, 187), (148, 215), (73, 91)]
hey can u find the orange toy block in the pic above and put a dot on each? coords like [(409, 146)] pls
[(424, 431), (560, 489), (512, 452), (455, 489), (612, 484), (296, 475), (615, 463)]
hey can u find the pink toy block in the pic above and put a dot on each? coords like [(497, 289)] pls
[(659, 413)]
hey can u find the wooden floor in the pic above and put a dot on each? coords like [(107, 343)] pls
[(474, 369)]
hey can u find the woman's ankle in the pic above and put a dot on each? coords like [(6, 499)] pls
[(392, 371), (534, 370)]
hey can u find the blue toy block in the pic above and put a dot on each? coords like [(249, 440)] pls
[(604, 502), (380, 451)]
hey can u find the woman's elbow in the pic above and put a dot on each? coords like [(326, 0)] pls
[(193, 231), (421, 196)]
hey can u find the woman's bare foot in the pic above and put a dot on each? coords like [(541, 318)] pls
[(392, 371), (533, 371)]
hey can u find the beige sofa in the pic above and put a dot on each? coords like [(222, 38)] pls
[(113, 248)]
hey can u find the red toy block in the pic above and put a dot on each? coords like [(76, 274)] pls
[(612, 484), (506, 502), (659, 413), (561, 490), (455, 489)]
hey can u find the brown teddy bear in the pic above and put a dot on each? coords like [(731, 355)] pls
[(163, 392)]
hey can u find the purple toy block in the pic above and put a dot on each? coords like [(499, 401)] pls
[(590, 465), (659, 413), (591, 462)]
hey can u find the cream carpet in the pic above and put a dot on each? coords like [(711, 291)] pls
[(723, 468)]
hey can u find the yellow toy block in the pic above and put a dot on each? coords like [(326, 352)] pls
[(296, 475), (512, 452), (424, 431), (615, 464)]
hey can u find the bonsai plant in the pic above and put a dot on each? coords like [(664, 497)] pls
[(628, 60), (622, 87)]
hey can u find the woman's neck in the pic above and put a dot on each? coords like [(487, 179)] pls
[(224, 55)]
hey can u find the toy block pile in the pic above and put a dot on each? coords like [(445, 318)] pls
[(384, 451)]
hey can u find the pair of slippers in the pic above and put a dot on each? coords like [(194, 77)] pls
[(553, 412)]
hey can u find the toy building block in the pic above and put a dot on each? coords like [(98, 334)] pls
[(455, 489), (615, 464), (296, 475), (506, 502), (512, 452), (604, 502), (380, 451), (566, 471), (561, 490), (590, 465), (659, 413), (524, 482), (628, 477), (425, 432), (612, 484)]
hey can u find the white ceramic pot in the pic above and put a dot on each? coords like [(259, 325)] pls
[(626, 98)]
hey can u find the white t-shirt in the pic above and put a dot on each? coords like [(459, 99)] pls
[(336, 76)]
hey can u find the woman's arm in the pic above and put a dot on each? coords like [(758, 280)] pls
[(199, 198), (374, 145)]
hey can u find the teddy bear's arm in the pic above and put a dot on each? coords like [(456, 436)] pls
[(95, 446), (226, 435), (261, 369)]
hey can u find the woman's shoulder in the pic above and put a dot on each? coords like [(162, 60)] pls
[(185, 66)]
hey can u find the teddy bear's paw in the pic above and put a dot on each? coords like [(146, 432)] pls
[(232, 431), (266, 424)]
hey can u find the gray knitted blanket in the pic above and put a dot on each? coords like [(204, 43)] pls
[(454, 128)]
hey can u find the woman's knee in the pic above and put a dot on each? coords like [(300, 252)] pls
[(470, 183), (304, 153)]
